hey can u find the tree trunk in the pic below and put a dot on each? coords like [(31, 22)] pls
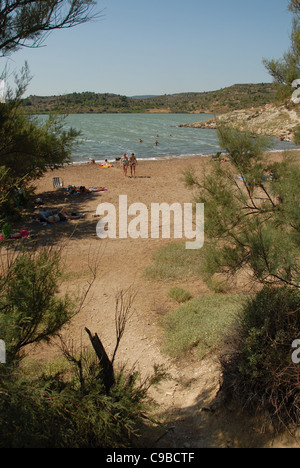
[(107, 370)]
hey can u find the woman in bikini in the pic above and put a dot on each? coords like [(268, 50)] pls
[(132, 164), (124, 163)]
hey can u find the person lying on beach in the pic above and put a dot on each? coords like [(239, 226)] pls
[(98, 189), (65, 214), (83, 189), (218, 157), (106, 164), (51, 218), (22, 234), (72, 190), (42, 216), (7, 234)]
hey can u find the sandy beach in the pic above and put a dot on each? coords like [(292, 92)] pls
[(121, 261), (192, 385)]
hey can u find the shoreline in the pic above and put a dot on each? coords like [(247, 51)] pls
[(169, 157), (151, 159)]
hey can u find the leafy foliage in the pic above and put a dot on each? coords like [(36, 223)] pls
[(28, 149), (28, 23), (287, 69), (256, 360), (39, 410), (30, 312), (256, 205)]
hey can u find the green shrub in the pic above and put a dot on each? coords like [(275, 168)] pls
[(258, 371), (71, 409), (179, 294), (31, 310)]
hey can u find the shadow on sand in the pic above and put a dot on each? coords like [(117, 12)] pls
[(53, 234), (201, 426)]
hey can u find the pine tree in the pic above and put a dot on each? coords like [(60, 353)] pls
[(252, 217), (27, 23)]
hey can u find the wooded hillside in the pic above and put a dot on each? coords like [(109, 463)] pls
[(235, 97)]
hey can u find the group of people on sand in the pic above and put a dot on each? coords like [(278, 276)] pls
[(105, 164), (126, 162)]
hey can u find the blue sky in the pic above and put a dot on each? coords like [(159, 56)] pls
[(161, 47)]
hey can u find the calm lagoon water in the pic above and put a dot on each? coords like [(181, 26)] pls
[(108, 136)]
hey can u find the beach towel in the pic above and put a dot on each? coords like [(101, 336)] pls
[(98, 189)]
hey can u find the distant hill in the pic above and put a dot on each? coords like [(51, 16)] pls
[(236, 97), (147, 96)]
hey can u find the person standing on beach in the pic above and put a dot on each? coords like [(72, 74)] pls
[(132, 164), (124, 163)]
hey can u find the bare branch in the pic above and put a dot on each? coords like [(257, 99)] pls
[(123, 303)]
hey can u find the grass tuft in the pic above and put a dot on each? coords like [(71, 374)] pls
[(200, 324)]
